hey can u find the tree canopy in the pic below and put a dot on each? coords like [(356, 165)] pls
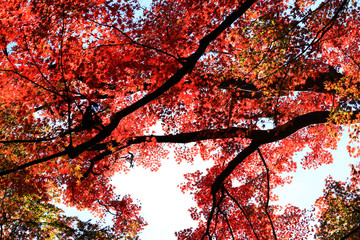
[(95, 87)]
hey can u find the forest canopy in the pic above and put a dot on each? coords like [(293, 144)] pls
[(249, 83)]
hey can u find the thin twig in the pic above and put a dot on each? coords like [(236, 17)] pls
[(243, 212), (207, 232), (132, 41), (27, 140), (106, 207), (268, 193), (227, 222)]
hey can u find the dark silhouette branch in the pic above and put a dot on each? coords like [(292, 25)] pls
[(207, 232), (106, 207), (36, 140), (97, 158), (267, 193), (176, 78), (352, 232), (243, 212), (244, 89), (259, 137), (35, 162), (219, 180), (267, 179), (227, 222)]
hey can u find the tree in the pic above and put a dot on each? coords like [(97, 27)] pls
[(27, 210), (30, 217), (249, 83), (338, 209)]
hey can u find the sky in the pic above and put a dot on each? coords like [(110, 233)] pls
[(165, 207), (307, 185)]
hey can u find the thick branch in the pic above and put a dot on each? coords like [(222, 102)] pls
[(258, 136), (351, 233), (35, 162), (261, 137), (186, 68), (247, 89), (292, 126), (180, 138), (217, 184), (267, 193)]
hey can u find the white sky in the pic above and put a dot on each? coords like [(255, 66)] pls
[(163, 205)]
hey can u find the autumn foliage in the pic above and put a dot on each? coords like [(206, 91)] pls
[(338, 209), (95, 87)]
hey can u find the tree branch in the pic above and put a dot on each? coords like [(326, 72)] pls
[(36, 140), (246, 89), (351, 233), (258, 136), (93, 161), (219, 180), (207, 232), (267, 193), (185, 69), (243, 212), (32, 163), (261, 137), (227, 222)]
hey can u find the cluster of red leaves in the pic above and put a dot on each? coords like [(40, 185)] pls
[(84, 84)]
